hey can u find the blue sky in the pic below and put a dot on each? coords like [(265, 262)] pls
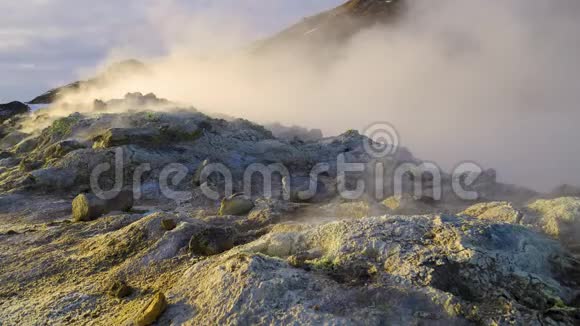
[(45, 43)]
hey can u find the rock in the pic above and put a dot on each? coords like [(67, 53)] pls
[(12, 109), (237, 205), (119, 290), (4, 154), (212, 241), (152, 311), (502, 212), (168, 224), (87, 207)]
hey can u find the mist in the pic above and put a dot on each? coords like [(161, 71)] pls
[(491, 82)]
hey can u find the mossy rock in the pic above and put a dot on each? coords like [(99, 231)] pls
[(63, 127), (237, 205)]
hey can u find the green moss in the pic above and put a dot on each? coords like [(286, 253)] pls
[(324, 264), (351, 133), (152, 116), (63, 127)]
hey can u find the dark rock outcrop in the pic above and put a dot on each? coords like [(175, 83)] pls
[(12, 109)]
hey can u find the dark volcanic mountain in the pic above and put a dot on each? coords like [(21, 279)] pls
[(338, 24)]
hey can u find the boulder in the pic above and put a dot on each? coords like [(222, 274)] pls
[(152, 311), (502, 212), (12, 109), (212, 241), (87, 207), (237, 205)]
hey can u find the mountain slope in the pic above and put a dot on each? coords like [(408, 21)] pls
[(338, 24)]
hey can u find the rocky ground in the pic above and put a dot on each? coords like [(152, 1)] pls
[(166, 254), (510, 257)]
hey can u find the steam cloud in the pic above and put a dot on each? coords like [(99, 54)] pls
[(496, 82)]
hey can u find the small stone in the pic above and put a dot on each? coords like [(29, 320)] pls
[(152, 311), (87, 207), (119, 290)]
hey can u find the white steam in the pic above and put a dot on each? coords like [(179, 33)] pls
[(496, 82)]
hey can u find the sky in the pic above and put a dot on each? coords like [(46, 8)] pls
[(47, 43)]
